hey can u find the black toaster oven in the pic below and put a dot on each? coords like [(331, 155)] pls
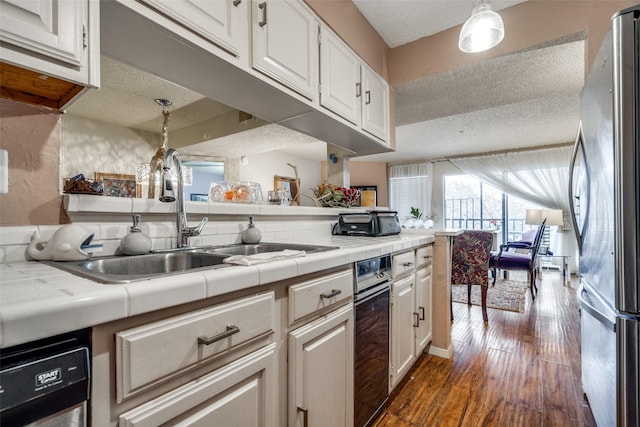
[(370, 223)]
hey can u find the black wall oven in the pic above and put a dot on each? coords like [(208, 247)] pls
[(371, 365)]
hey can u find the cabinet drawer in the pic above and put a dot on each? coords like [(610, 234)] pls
[(424, 256), (403, 263), (243, 391), (313, 295), (164, 348)]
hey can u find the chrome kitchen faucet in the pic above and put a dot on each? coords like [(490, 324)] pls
[(168, 195)]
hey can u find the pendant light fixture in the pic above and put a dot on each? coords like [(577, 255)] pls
[(482, 31)]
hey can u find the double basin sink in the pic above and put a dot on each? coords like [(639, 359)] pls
[(125, 269)]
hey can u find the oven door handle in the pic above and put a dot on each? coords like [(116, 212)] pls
[(371, 292)]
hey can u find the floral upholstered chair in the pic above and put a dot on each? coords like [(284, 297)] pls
[(470, 263)]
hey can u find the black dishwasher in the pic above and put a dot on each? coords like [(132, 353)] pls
[(46, 382)]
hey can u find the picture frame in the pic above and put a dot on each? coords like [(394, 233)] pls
[(288, 184), (199, 197), (117, 185), (367, 196)]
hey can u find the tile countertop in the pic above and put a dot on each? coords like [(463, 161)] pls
[(37, 301)]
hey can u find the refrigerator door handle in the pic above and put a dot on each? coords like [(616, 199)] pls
[(586, 304), (572, 208)]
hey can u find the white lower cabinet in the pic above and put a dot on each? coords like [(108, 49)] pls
[(411, 308), (321, 371), (403, 321), (242, 393), (423, 304)]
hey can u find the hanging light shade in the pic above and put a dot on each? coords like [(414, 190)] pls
[(482, 31)]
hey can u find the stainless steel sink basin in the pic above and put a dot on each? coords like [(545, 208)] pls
[(259, 248), (125, 269)]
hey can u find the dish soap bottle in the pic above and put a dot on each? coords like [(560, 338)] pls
[(136, 242), (251, 234)]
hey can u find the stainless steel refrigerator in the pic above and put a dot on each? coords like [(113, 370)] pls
[(605, 194)]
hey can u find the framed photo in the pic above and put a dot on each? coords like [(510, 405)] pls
[(288, 184), (367, 196), (117, 185)]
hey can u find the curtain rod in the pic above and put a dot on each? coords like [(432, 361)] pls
[(486, 153), (515, 150)]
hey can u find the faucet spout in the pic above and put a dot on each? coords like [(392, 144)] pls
[(168, 195)]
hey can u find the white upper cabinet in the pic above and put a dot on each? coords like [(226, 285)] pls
[(285, 47), (340, 86), (375, 104), (223, 22), (349, 88), (54, 37)]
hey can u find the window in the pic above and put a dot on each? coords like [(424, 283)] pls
[(472, 204), (410, 187)]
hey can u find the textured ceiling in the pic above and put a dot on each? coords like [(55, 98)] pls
[(523, 99), (401, 21)]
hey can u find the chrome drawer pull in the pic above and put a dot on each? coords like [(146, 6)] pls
[(421, 312), (407, 264), (263, 7), (231, 329), (305, 415), (331, 294), (237, 2), (417, 320)]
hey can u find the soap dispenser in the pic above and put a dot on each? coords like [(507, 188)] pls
[(251, 234), (136, 242)]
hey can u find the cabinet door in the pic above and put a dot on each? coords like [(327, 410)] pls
[(375, 104), (52, 28), (321, 371), (403, 322), (423, 308), (340, 87), (285, 44), (223, 22), (243, 391)]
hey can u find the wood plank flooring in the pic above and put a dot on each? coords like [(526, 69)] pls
[(520, 370)]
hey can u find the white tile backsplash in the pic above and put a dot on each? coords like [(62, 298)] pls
[(14, 240)]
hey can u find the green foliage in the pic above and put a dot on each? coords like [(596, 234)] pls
[(416, 213)]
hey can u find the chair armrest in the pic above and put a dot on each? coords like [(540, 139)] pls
[(516, 245)]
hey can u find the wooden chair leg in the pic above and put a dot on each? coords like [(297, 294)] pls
[(483, 292)]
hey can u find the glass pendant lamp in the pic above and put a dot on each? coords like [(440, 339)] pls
[(482, 31)]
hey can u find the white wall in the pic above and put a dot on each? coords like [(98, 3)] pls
[(90, 146), (262, 167)]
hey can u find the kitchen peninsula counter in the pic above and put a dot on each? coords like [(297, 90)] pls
[(37, 300)]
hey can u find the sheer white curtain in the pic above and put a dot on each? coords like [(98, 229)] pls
[(540, 176), (410, 186)]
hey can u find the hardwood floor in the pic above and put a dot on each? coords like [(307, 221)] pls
[(520, 370)]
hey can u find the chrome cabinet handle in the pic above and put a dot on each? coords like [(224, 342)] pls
[(368, 97), (305, 415), (417, 320), (358, 90), (331, 294), (236, 2), (427, 256), (231, 329), (263, 7), (421, 312), (407, 264)]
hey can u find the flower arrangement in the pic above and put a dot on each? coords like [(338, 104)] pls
[(329, 195), (495, 224)]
